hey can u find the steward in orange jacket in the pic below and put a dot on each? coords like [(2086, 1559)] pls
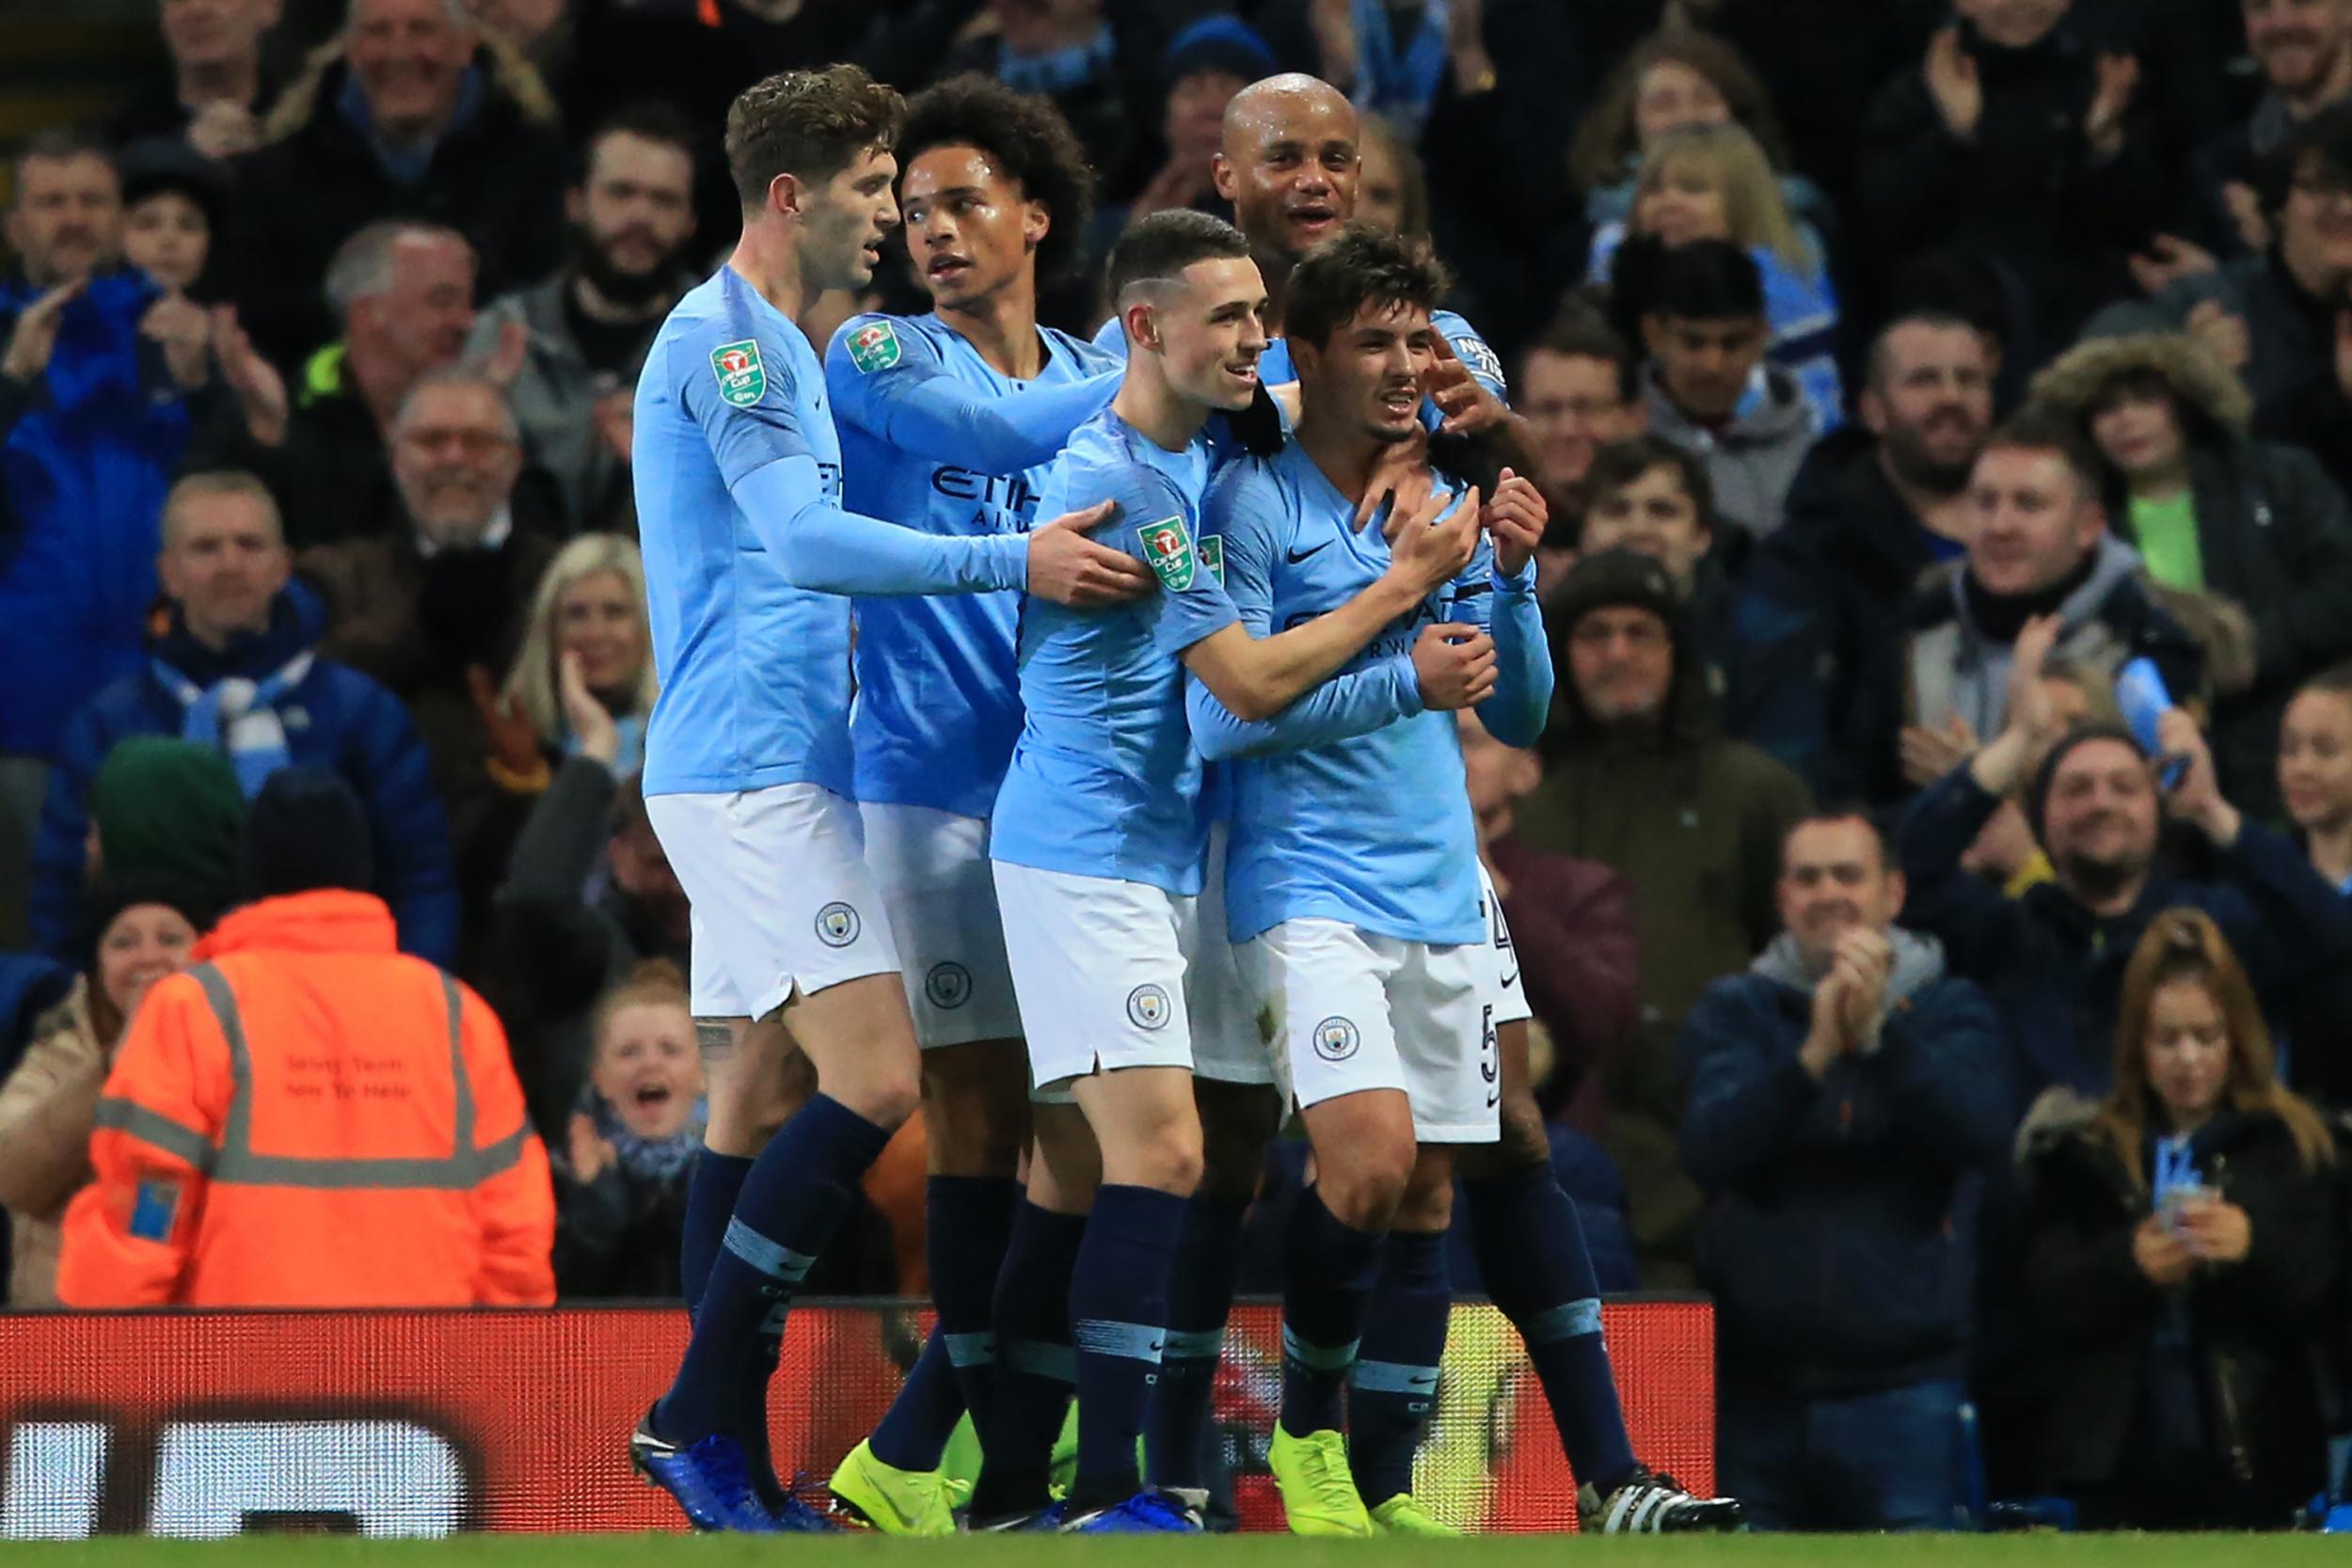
[(308, 1118)]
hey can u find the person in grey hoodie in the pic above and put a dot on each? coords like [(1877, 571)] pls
[(1841, 1091), (2040, 545), (1707, 387)]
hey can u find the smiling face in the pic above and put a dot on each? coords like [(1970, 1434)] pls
[(845, 221), (1368, 373), (144, 943), (2316, 761), (2099, 821), (647, 1068), (602, 621), (2299, 45), (1653, 514), (1209, 328), (410, 57), (1289, 166), (1835, 879), (2034, 520), (971, 231)]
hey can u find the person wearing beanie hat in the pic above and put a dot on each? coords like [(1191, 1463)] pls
[(168, 806), (1637, 777), (309, 1117), (136, 928), (172, 199), (2052, 957)]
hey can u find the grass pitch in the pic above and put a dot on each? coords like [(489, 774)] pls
[(1238, 1551)]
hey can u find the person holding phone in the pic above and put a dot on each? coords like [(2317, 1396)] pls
[(2182, 1256)]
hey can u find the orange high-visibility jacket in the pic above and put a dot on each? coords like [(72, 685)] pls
[(311, 1118)]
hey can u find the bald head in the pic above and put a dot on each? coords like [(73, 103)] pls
[(1288, 163)]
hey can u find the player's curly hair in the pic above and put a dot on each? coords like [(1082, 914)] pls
[(1358, 266), (807, 123), (1028, 138)]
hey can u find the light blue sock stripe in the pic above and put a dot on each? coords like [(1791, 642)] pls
[(1037, 1359), (776, 1261), (1393, 1377), (1318, 1358), (1567, 1321), (1194, 1344), (1104, 1336), (971, 1350)]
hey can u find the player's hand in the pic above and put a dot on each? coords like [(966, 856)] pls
[(1067, 567), (1425, 554), (589, 721), (1515, 519), (1400, 477), (35, 336), (1454, 664), (1468, 408), (514, 741)]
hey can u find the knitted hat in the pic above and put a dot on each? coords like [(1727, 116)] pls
[(306, 830), (2038, 791), (1221, 44), (167, 163), (1615, 577), (168, 806)]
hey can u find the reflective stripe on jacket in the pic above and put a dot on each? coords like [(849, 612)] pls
[(311, 1118)]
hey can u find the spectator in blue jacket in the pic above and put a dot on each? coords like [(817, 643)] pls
[(1841, 1091), (2054, 958), (93, 377), (235, 667)]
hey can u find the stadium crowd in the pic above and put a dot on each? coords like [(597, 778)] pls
[(1931, 886)]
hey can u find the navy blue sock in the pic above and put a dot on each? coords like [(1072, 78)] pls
[(1035, 1369), (710, 1195), (792, 1199), (1394, 1388), (1530, 1248), (1117, 1320), (969, 1225), (1199, 1295), (1327, 1270), (914, 1431)]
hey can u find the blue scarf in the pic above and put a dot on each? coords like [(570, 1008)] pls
[(238, 717), (643, 1159), (1399, 86), (1059, 70)]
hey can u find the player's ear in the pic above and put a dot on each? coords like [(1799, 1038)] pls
[(785, 196), (1143, 325), (1036, 223), (1221, 174)]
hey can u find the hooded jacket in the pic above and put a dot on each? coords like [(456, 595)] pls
[(2252, 1323), (87, 452), (2274, 535), (1829, 1242), (334, 718), (1753, 458), (1694, 823), (1955, 667), (45, 1109), (497, 175)]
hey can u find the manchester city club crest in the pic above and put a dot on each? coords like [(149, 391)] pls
[(1148, 1007), (1336, 1039), (742, 379), (836, 924), (949, 986)]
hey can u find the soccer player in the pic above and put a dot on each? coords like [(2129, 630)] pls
[(1098, 844), (747, 775), (947, 421), (1351, 879)]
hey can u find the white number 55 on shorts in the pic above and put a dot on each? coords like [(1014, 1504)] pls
[(782, 899)]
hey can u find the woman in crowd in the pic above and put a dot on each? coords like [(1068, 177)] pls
[(1673, 82), (2182, 1256), (140, 928), (2225, 524), (587, 626), (620, 1183), (1712, 182), (2316, 772)]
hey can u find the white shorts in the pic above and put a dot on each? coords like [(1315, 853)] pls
[(1227, 1046), (1500, 987), (1355, 1011), (932, 869), (782, 900), (1099, 967)]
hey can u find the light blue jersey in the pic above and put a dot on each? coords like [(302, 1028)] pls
[(934, 438), (1349, 804), (754, 672), (1105, 780)]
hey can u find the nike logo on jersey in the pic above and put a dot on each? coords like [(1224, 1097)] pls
[(1297, 556)]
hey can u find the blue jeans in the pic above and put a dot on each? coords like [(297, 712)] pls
[(1888, 1460)]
